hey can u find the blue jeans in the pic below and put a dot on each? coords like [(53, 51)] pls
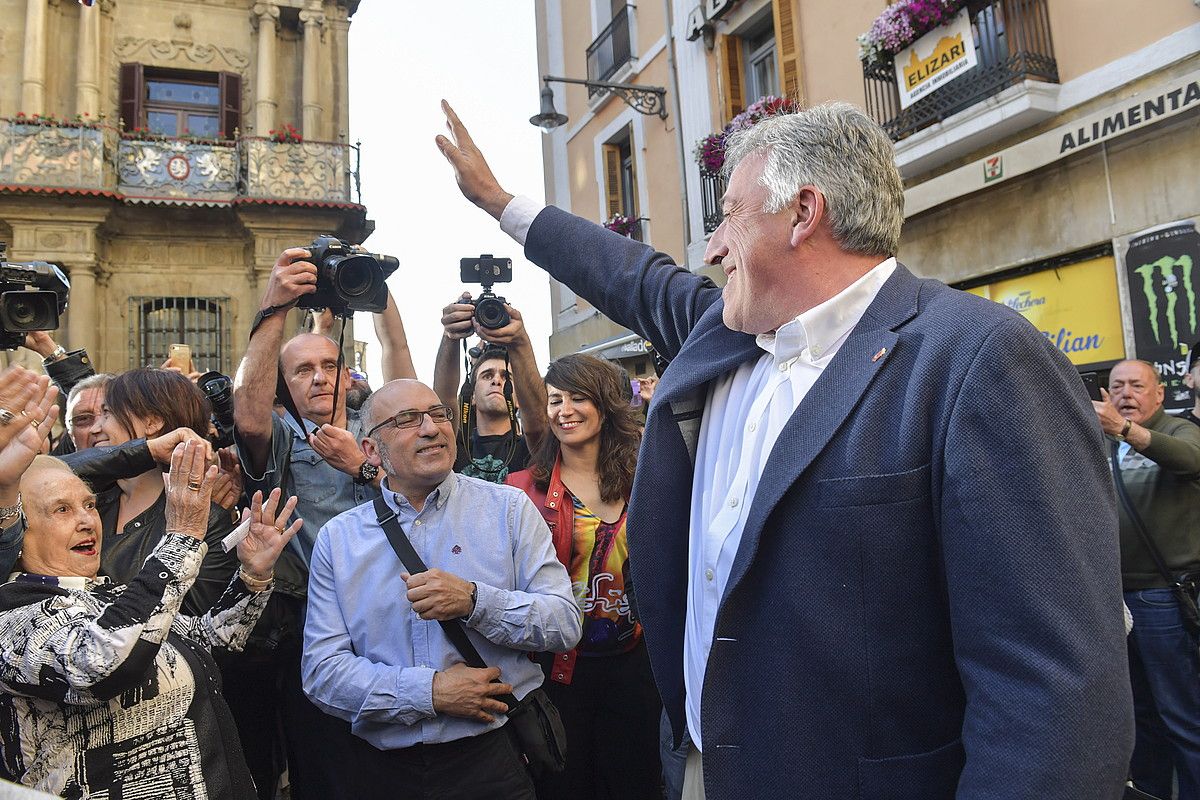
[(1164, 667), (673, 761)]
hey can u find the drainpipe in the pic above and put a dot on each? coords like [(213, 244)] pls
[(673, 77)]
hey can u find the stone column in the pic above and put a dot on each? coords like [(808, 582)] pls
[(81, 312), (266, 17), (314, 32), (341, 33), (33, 75), (87, 63)]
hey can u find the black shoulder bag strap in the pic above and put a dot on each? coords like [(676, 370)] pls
[(454, 629), (1182, 586)]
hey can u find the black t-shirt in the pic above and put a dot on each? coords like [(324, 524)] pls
[(491, 458), (1190, 416)]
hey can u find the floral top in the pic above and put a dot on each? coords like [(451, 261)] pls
[(107, 691)]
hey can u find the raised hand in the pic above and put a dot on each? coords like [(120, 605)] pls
[(162, 447), (291, 277), (458, 318), (269, 534), (27, 401), (227, 491), (471, 170), (511, 334), (189, 490)]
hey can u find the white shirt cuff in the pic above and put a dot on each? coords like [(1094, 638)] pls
[(518, 215)]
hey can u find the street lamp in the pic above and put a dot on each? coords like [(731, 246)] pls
[(642, 99)]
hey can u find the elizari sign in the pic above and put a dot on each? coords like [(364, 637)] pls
[(935, 59)]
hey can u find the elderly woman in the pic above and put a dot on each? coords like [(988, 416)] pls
[(107, 689)]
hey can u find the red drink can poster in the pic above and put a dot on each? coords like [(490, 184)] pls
[(1162, 268)]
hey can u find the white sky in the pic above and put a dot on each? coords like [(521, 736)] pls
[(480, 55)]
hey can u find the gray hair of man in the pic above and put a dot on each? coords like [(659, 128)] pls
[(97, 381), (846, 156)]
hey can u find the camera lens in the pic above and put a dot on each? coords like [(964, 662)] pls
[(29, 311), (491, 314), (354, 276)]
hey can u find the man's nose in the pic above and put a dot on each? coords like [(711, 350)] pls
[(716, 250), (427, 427)]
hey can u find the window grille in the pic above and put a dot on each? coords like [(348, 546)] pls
[(199, 322)]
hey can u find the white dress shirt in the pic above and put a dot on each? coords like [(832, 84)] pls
[(743, 416)]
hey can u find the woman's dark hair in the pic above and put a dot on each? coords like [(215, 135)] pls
[(150, 392), (600, 382)]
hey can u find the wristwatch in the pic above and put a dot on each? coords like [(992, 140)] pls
[(367, 473), (1125, 430), (59, 354)]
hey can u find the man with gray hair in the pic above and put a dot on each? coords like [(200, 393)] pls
[(863, 567)]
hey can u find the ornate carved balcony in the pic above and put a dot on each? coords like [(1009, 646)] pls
[(1012, 44), (178, 171), (67, 157), (299, 171)]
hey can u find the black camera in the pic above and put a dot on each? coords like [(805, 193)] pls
[(489, 307), (348, 277), (218, 389), (32, 296)]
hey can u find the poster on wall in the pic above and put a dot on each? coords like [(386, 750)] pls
[(935, 59), (1164, 300), (1076, 307)]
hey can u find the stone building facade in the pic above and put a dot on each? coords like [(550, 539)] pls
[(1055, 175), (164, 152)]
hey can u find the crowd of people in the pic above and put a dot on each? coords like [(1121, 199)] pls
[(847, 549)]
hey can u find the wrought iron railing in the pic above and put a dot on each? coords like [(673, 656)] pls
[(1012, 43), (313, 171), (75, 157), (177, 170), (712, 189), (611, 50), (184, 171)]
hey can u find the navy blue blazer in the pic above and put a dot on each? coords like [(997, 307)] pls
[(926, 601)]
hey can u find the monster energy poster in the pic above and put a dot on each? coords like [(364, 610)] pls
[(1162, 265)]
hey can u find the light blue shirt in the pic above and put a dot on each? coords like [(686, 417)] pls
[(368, 658)]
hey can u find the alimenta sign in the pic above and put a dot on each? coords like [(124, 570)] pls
[(1139, 113)]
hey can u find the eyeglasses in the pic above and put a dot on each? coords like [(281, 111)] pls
[(411, 418)]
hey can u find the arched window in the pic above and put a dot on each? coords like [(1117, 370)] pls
[(199, 322)]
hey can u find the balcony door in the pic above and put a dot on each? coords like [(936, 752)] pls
[(175, 103)]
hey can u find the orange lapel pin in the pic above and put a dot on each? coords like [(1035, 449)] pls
[(882, 352)]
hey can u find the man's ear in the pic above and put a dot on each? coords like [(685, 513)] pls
[(807, 210), (1189, 381), (371, 451)]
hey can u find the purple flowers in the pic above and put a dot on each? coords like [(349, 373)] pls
[(710, 151), (619, 223), (901, 24)]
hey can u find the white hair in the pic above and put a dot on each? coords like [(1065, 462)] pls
[(846, 156)]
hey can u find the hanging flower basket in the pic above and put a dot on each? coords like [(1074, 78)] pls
[(619, 223), (901, 24), (710, 151)]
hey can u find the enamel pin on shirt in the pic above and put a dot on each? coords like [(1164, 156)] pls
[(882, 352)]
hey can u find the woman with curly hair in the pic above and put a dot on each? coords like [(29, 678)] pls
[(580, 480)]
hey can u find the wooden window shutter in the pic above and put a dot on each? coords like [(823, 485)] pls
[(787, 48), (613, 198), (133, 95), (733, 90), (231, 104)]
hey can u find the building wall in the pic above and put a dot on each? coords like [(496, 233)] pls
[(114, 249)]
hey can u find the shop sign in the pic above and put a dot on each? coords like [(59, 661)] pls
[(1161, 268), (935, 59), (1076, 307)]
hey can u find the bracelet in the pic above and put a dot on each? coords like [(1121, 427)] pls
[(13, 510), (59, 353), (255, 584)]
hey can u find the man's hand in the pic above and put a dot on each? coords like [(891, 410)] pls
[(474, 176), (648, 385), (435, 594), (511, 335), (192, 374), (1110, 419), (463, 691), (291, 278), (458, 318), (41, 343), (339, 448)]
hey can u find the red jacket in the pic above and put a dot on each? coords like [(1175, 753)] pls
[(558, 509)]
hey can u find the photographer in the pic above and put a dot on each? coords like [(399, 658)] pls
[(324, 466), (495, 447)]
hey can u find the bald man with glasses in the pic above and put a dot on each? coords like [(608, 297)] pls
[(374, 651)]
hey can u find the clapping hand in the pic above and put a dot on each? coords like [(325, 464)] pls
[(269, 533), (27, 411)]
